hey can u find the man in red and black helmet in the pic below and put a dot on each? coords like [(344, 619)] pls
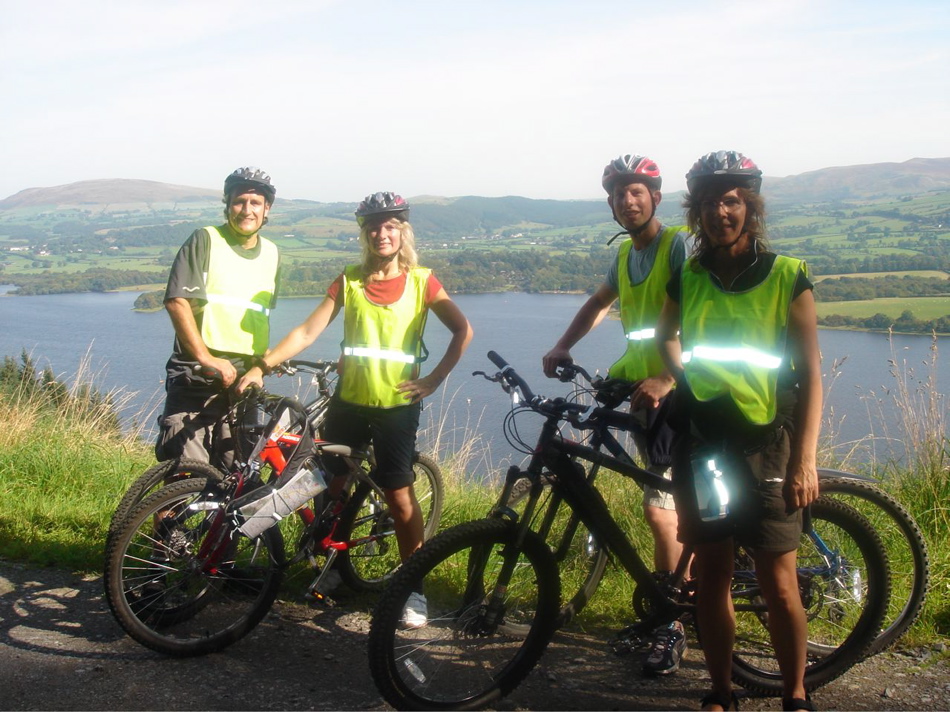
[(221, 290), (638, 278)]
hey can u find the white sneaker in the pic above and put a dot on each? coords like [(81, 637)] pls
[(416, 612)]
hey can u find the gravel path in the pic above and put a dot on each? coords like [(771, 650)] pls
[(60, 649)]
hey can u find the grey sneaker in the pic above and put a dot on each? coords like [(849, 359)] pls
[(416, 613), (668, 649)]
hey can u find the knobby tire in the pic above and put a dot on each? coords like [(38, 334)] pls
[(367, 567), (180, 581), (906, 552), (845, 606), (465, 657)]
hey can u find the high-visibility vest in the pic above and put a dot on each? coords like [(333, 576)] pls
[(640, 306), (734, 342), (239, 293), (382, 344)]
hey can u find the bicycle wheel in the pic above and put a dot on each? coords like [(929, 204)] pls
[(156, 476), (581, 560), (373, 554), (844, 584), (181, 581), (465, 658), (905, 546)]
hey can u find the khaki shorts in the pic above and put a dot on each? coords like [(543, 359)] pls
[(202, 435), (653, 497)]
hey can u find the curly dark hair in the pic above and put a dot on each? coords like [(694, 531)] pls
[(754, 222)]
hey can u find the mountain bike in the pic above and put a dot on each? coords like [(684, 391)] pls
[(183, 575), (363, 570), (493, 585), (582, 562)]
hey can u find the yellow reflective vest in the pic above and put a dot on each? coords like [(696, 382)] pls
[(239, 293), (734, 342), (382, 344), (640, 306)]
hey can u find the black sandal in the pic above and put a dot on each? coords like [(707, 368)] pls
[(727, 703), (797, 703)]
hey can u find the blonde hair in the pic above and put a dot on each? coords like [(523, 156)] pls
[(407, 256)]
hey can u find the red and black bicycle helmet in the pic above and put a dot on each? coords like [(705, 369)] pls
[(250, 177), (727, 167), (631, 168), (381, 204)]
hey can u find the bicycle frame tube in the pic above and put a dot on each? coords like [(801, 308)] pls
[(577, 490)]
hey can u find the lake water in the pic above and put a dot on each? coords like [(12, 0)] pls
[(127, 350)]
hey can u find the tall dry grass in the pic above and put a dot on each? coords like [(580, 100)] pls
[(64, 463)]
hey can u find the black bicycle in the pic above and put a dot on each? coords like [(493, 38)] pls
[(494, 585), (583, 563)]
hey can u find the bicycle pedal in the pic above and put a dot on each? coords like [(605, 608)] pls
[(629, 640), (319, 599)]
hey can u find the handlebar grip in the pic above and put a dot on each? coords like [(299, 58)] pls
[(210, 372), (496, 359)]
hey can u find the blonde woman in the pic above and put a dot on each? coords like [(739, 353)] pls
[(385, 301)]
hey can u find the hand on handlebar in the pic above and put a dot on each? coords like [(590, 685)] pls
[(220, 367), (554, 358), (254, 378)]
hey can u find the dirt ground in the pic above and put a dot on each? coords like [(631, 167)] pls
[(60, 649)]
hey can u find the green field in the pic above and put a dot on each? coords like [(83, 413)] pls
[(923, 308), (873, 275)]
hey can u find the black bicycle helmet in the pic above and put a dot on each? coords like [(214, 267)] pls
[(726, 166), (381, 204), (250, 176), (630, 168)]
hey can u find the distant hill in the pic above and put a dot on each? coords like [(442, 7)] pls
[(108, 192), (435, 215), (862, 182)]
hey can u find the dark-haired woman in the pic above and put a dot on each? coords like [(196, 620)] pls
[(748, 408)]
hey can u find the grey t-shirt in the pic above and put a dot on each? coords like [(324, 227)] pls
[(640, 262), (187, 280)]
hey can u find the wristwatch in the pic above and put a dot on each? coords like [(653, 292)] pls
[(261, 364)]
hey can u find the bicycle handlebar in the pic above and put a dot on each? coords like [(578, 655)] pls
[(511, 376), (610, 392)]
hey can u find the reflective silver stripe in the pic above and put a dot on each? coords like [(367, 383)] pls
[(717, 482), (235, 302), (382, 354), (641, 334), (742, 354)]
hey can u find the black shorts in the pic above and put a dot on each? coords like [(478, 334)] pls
[(758, 515), (392, 432)]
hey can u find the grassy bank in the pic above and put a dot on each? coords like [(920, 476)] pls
[(64, 463)]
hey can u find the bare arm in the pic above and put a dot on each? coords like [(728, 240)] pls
[(801, 478), (668, 340), (186, 329), (450, 315), (587, 317), (299, 338)]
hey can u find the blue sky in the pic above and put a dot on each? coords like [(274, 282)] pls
[(340, 99)]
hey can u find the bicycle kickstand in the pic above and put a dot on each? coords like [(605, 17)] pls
[(316, 593)]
